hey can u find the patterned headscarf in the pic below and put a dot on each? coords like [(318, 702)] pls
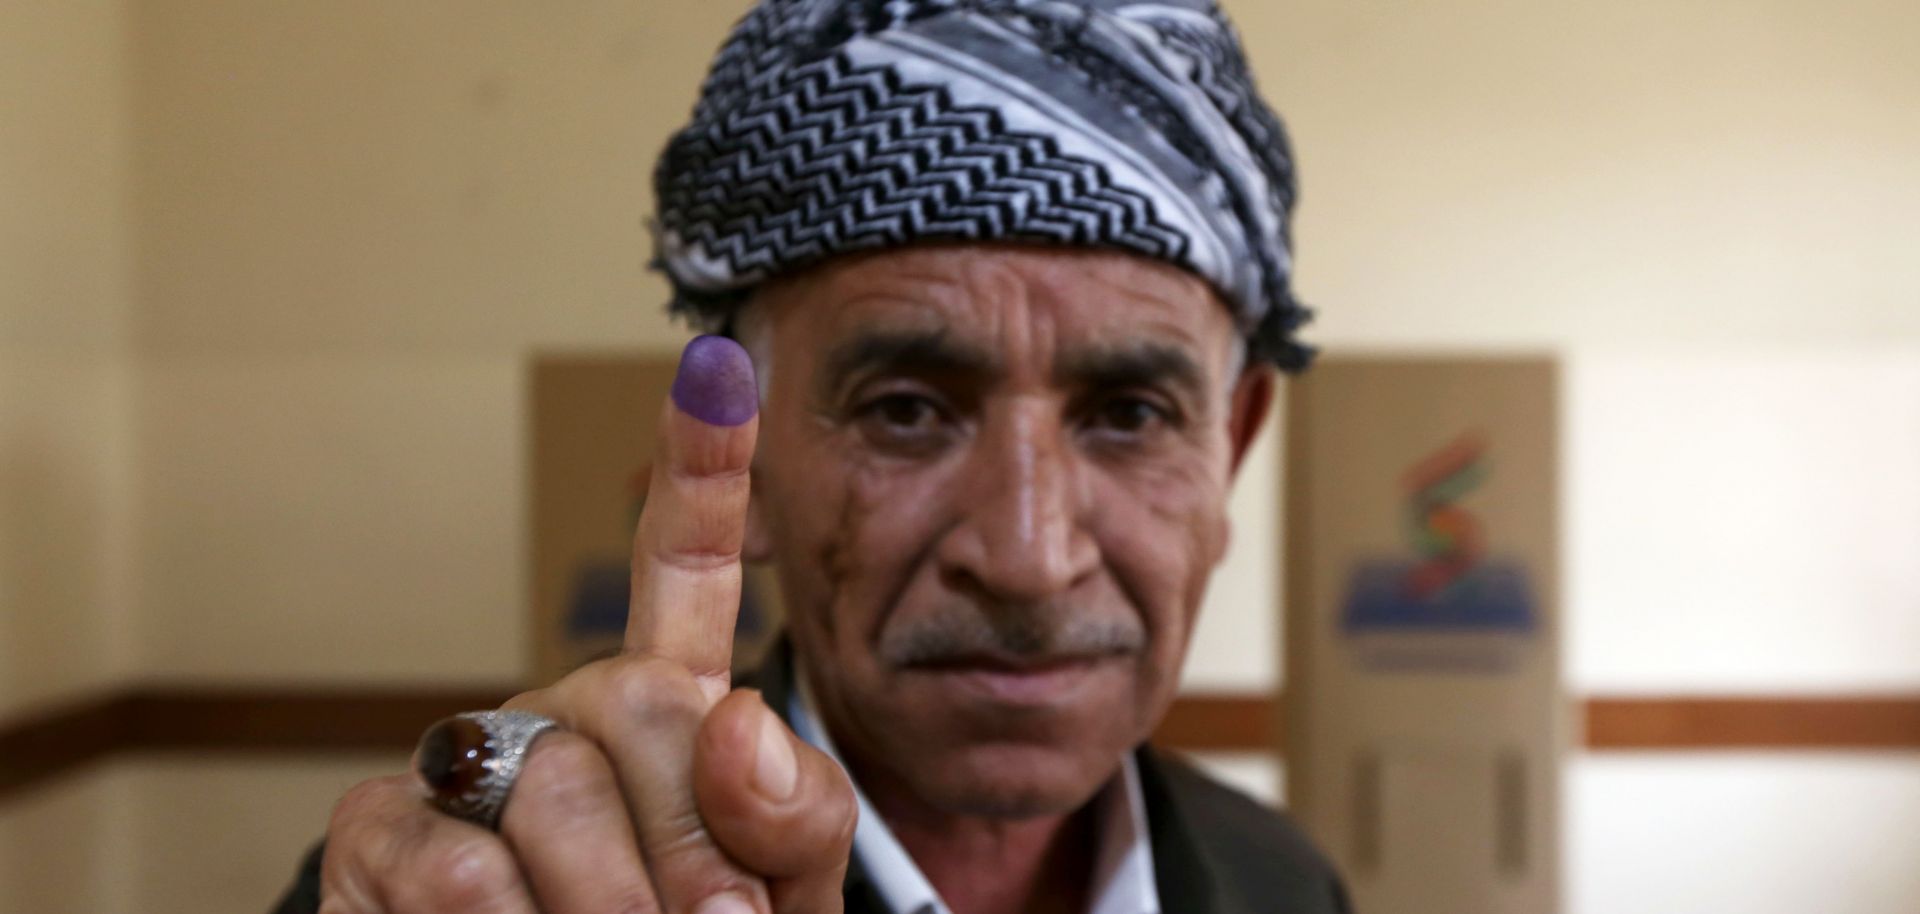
[(833, 126)]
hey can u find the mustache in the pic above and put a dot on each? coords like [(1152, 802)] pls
[(959, 634)]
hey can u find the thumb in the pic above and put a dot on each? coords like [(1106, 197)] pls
[(778, 806)]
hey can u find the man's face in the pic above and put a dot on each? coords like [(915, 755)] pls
[(994, 482)]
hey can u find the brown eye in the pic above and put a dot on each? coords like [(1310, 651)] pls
[(1127, 415), (906, 412), (905, 423)]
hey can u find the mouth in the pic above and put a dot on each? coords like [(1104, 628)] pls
[(1030, 681)]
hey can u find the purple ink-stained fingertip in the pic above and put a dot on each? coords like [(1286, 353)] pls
[(715, 382)]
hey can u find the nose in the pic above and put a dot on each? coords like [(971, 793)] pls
[(1021, 536)]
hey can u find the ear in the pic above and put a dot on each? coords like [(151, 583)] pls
[(757, 547), (1252, 403)]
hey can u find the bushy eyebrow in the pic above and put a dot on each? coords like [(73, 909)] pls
[(1135, 365), (913, 352), (928, 353)]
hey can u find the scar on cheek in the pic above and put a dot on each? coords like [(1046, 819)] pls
[(861, 496), (837, 550)]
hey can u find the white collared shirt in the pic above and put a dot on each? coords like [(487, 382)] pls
[(1123, 865)]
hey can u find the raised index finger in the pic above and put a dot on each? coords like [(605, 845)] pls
[(686, 551)]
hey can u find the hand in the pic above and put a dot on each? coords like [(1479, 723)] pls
[(663, 793)]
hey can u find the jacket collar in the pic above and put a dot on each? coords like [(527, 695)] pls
[(1186, 879)]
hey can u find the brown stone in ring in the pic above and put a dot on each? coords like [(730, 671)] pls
[(453, 757)]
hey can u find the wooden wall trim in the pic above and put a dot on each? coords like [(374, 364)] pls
[(1222, 722), (55, 741), (307, 721), (1753, 722), (280, 720)]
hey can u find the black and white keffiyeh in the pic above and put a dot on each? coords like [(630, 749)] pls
[(833, 126)]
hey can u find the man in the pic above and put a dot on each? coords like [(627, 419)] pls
[(1009, 281)]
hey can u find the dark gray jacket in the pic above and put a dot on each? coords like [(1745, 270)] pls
[(1215, 850)]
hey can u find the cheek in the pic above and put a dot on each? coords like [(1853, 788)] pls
[(858, 529), (1163, 529)]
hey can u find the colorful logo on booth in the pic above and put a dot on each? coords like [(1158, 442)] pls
[(1404, 609), (1445, 535)]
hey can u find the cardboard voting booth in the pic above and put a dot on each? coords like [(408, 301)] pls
[(1425, 718), (593, 420)]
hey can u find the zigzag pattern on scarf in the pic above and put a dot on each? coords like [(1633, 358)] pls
[(831, 158)]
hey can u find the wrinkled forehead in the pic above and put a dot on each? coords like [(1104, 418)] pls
[(1024, 308)]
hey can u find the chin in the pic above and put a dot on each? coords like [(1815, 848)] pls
[(1000, 746), (1014, 781)]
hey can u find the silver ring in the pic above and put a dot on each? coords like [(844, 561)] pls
[(471, 760)]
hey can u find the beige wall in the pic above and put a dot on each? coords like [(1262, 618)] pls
[(1515, 172), (226, 834), (358, 220), (65, 848), (64, 314), (65, 421), (269, 274)]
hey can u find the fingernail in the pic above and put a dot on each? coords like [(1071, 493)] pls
[(775, 770), (725, 904), (715, 382)]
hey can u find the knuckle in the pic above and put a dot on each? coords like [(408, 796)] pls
[(362, 836), (355, 802), (683, 835), (634, 901), (699, 558), (566, 777), (690, 863), (467, 875), (650, 690), (360, 806), (681, 846)]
